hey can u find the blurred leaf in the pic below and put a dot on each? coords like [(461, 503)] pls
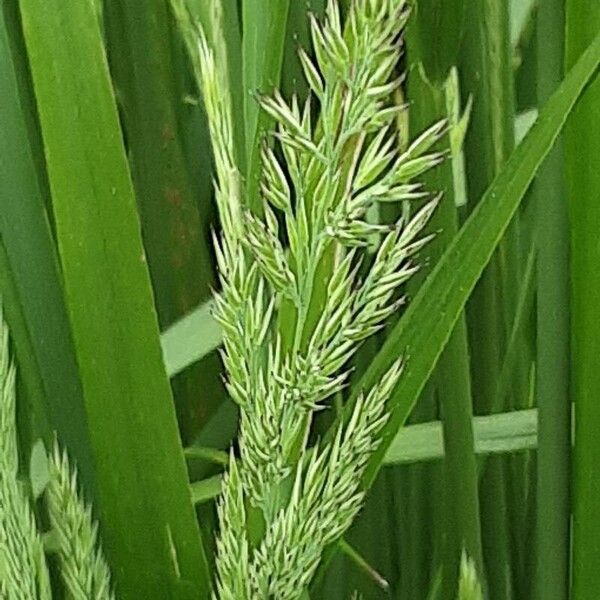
[(446, 19), (493, 434), (523, 122), (142, 61), (206, 489), (521, 17), (188, 340)]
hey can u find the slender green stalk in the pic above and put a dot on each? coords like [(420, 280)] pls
[(422, 500), (552, 359), (487, 76), (524, 304), (460, 467), (363, 565), (462, 520), (582, 147)]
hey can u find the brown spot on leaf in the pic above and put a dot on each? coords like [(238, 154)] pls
[(174, 197), (167, 133)]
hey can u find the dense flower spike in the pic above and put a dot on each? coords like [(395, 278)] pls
[(23, 570), (83, 568), (282, 364), (324, 500), (232, 546)]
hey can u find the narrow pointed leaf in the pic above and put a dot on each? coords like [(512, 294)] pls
[(424, 329), (30, 278), (148, 525), (493, 434)]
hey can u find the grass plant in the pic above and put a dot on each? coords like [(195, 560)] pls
[(290, 287)]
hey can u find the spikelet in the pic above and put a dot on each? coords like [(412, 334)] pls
[(82, 565)]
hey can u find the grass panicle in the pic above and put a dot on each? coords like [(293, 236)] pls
[(24, 573), (84, 570), (284, 502)]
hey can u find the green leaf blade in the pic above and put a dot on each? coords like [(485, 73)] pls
[(428, 322), (147, 521), (142, 60), (190, 339), (583, 190), (30, 278), (445, 19)]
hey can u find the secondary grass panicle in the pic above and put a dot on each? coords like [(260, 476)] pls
[(285, 351), (82, 565), (23, 569), (469, 587)]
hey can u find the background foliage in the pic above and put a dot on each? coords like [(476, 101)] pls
[(106, 205)]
